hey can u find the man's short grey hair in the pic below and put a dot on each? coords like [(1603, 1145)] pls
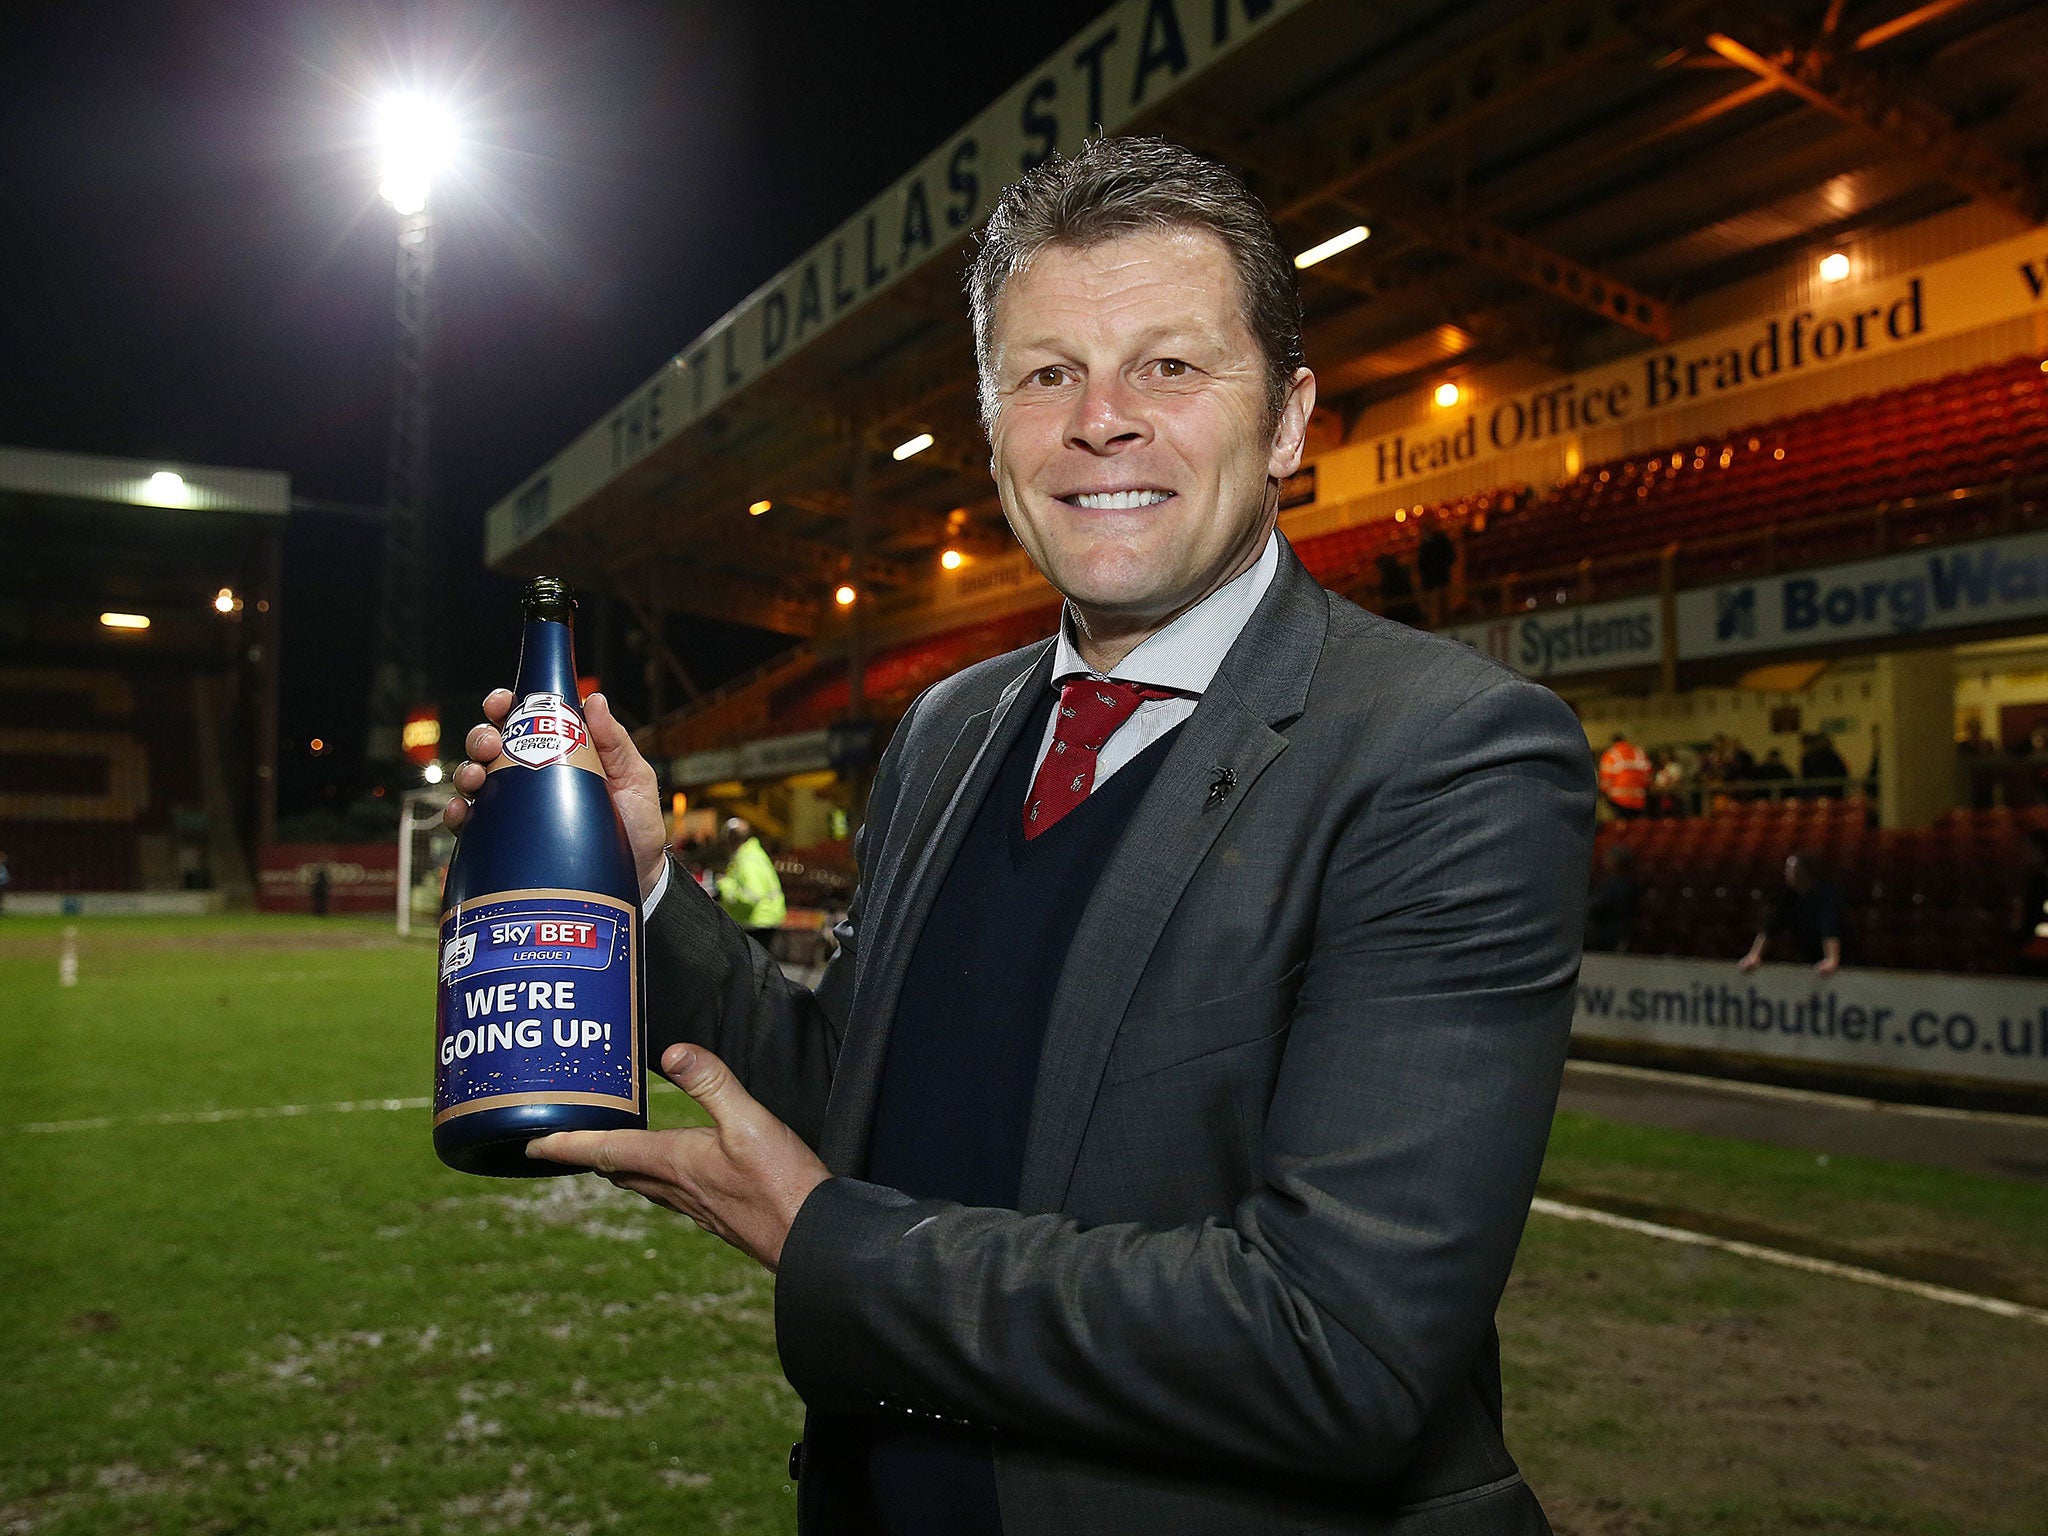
[(1117, 187)]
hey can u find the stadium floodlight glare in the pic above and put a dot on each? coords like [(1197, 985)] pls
[(125, 620), (166, 482), (431, 773), (915, 446), (1834, 267), (763, 505), (1448, 394), (415, 141), (952, 559), (224, 600), (1336, 245), (844, 597)]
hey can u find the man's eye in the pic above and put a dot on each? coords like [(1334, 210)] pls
[(1172, 368), (1049, 377)]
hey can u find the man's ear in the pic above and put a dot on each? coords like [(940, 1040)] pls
[(1290, 433)]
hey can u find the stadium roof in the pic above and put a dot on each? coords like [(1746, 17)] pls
[(89, 478), (1541, 181)]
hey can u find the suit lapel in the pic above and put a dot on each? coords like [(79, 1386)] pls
[(953, 794), (1228, 742)]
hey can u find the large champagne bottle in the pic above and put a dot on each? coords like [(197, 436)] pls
[(538, 1024)]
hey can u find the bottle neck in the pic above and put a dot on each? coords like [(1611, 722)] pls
[(547, 660)]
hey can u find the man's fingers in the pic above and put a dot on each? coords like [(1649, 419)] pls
[(709, 1081), (468, 777), (483, 743), (614, 743), (497, 705), (456, 813), (607, 1152)]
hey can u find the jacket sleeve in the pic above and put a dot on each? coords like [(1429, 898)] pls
[(710, 984), (1319, 1328)]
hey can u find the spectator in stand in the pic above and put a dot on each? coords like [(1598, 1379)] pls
[(1625, 777), (1728, 765), (1397, 591), (1670, 778), (1435, 558), (1611, 912), (1808, 913), (2033, 785), (2030, 919), (1976, 764), (1772, 769), (749, 889), (1820, 760)]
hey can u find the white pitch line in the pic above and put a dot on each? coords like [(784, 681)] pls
[(1731, 1085), (1993, 1304), (216, 1116)]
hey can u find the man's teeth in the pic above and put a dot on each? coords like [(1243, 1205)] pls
[(1118, 501)]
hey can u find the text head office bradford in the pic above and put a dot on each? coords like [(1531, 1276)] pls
[(1153, 1154)]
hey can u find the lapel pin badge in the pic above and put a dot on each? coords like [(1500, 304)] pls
[(1224, 782)]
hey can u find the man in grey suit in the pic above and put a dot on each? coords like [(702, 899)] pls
[(1153, 1154)]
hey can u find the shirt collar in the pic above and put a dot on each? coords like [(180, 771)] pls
[(1183, 656)]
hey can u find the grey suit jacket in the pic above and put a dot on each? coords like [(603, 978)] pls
[(1295, 1090)]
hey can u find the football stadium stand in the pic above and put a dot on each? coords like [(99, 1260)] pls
[(139, 601), (1695, 363)]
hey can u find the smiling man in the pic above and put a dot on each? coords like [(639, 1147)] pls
[(1153, 1154)]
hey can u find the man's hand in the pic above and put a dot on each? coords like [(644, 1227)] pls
[(633, 787), (744, 1177)]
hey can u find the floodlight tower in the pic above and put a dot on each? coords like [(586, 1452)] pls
[(416, 138)]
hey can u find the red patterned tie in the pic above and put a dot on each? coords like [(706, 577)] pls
[(1090, 711)]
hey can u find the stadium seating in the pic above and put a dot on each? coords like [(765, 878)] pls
[(1974, 427), (1936, 898)]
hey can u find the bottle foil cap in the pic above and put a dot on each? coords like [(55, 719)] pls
[(547, 597)]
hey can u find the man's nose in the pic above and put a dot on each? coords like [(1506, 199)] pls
[(1108, 414)]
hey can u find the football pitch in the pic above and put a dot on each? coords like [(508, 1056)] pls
[(243, 1296)]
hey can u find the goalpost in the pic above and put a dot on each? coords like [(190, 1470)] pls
[(423, 846)]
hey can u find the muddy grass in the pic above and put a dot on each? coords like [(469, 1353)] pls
[(1660, 1390)]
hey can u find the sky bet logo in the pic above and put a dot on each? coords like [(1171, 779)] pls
[(518, 940), (556, 935), (544, 729)]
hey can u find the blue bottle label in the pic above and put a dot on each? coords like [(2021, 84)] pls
[(539, 1004)]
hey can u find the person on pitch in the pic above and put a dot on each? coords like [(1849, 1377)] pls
[(1154, 1151)]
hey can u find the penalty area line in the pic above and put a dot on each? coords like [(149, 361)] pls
[(1996, 1305), (217, 1116)]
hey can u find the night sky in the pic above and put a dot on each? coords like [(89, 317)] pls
[(197, 267)]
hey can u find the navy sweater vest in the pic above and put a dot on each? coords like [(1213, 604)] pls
[(955, 1096)]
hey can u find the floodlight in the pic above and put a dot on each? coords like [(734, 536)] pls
[(224, 601), (844, 597), (415, 140), (431, 773), (952, 559), (1448, 394), (1336, 245), (1834, 267), (759, 507), (166, 482), (915, 446), (125, 620)]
